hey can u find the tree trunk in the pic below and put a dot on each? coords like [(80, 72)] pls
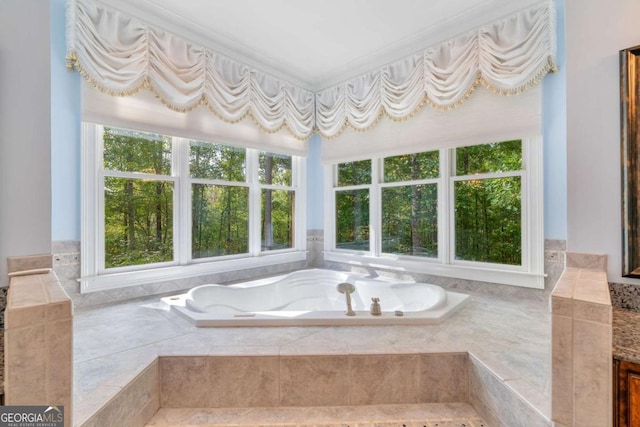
[(130, 215), (158, 169)]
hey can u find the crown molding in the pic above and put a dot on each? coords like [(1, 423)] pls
[(483, 13)]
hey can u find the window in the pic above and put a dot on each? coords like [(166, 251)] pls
[(138, 198), (158, 206), (219, 200), (487, 190), (409, 204), (470, 212), (352, 205)]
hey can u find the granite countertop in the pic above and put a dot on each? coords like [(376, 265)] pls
[(626, 335)]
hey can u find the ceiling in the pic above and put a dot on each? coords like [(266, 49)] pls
[(319, 43)]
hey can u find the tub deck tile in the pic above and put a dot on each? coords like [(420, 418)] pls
[(111, 340)]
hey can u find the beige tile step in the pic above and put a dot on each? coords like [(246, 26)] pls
[(404, 415)]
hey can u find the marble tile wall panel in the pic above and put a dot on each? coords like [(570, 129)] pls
[(66, 264), (318, 380), (444, 378), (314, 380), (26, 365), (553, 266), (243, 381), (586, 261), (384, 379), (315, 249), (174, 286), (184, 382), (592, 374), (562, 369), (134, 405), (28, 262)]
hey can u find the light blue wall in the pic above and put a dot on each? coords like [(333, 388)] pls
[(315, 201), (554, 120), (65, 135)]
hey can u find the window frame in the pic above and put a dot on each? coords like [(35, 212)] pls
[(529, 274), (94, 275)]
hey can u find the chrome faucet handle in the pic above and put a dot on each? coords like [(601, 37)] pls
[(376, 310)]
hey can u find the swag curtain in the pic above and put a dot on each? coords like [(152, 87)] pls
[(507, 57), (119, 55)]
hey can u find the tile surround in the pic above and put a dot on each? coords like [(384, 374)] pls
[(133, 405), (385, 379), (180, 339), (39, 342), (582, 344), (66, 264), (28, 262), (508, 335)]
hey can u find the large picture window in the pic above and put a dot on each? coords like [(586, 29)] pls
[(170, 207), (470, 212), (138, 198)]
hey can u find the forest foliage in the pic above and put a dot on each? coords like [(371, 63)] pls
[(139, 197), (139, 210), (487, 208)]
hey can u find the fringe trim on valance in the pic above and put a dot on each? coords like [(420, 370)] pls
[(121, 55)]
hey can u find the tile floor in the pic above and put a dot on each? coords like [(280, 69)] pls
[(113, 343)]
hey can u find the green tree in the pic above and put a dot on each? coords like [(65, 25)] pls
[(138, 211)]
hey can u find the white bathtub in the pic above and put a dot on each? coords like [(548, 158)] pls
[(310, 297)]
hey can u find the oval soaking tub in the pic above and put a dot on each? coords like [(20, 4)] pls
[(311, 297)]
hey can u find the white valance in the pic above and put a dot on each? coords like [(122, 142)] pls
[(120, 54), (142, 111), (507, 56), (484, 118)]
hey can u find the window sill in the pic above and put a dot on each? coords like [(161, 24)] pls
[(105, 282), (504, 277)]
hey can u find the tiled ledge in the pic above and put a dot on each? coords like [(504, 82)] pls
[(506, 338), (280, 382), (38, 343), (581, 344)]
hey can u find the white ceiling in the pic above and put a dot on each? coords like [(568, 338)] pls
[(319, 43)]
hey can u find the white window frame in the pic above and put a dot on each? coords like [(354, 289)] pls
[(95, 277), (529, 274)]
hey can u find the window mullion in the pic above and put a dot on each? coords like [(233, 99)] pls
[(93, 202), (446, 232), (375, 210), (255, 202), (100, 238), (182, 212), (299, 182)]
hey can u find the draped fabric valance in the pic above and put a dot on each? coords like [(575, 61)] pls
[(120, 54), (507, 56)]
